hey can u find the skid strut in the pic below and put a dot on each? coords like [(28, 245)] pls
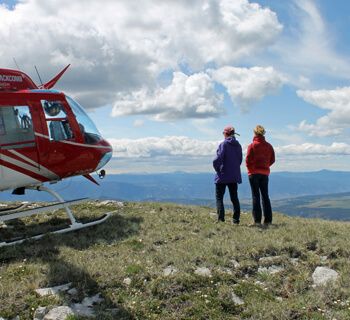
[(10, 215)]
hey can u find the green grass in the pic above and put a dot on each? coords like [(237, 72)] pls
[(141, 239)]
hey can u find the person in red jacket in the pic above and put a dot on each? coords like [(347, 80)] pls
[(260, 156)]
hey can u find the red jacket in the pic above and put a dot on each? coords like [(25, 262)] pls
[(260, 156)]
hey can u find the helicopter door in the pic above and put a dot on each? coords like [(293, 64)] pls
[(18, 152), (61, 148)]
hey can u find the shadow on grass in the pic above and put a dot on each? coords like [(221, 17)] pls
[(265, 227), (46, 251)]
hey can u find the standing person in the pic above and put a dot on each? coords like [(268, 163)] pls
[(228, 173), (260, 156)]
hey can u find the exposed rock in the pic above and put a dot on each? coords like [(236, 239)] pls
[(40, 313), (168, 271), (269, 260), (83, 311), (259, 283), (294, 261), (53, 290), (270, 270), (236, 299), (109, 203), (90, 301), (85, 308), (59, 313), (226, 270), (204, 272), (3, 225), (280, 299), (235, 263), (73, 292), (324, 275), (127, 281)]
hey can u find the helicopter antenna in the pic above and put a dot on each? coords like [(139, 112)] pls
[(38, 75), (16, 63)]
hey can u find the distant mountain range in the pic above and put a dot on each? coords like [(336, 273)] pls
[(287, 190)]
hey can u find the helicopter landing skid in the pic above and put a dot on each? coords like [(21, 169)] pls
[(61, 205), (6, 210)]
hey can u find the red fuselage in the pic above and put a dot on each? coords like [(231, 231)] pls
[(45, 136)]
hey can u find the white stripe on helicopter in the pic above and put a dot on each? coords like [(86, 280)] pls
[(46, 174), (43, 171)]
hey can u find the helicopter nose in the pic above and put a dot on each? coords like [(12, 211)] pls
[(104, 160)]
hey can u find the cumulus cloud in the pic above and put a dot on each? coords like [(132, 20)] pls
[(122, 46), (186, 97), (336, 148), (248, 85), (165, 146), (337, 102), (188, 147), (173, 153), (181, 146)]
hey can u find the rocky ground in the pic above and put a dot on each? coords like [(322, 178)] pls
[(166, 261)]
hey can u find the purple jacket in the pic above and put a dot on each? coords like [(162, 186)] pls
[(228, 161)]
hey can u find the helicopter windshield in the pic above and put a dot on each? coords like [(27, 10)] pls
[(87, 127)]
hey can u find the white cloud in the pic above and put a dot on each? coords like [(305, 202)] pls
[(335, 121), (173, 153), (166, 146), (309, 48), (186, 97), (248, 85), (172, 146), (119, 46), (336, 148)]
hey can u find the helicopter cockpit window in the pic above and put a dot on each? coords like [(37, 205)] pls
[(88, 129), (53, 109), (57, 120), (15, 126)]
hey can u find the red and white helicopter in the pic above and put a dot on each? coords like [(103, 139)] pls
[(45, 136)]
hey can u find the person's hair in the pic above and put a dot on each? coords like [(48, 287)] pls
[(259, 130)]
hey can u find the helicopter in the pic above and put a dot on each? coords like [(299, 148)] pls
[(45, 136)]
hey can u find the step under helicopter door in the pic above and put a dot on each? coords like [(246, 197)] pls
[(18, 153)]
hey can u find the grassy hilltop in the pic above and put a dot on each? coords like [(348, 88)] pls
[(145, 260)]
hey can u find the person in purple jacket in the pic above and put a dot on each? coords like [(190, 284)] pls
[(227, 165)]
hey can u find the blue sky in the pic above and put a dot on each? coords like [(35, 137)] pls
[(162, 79)]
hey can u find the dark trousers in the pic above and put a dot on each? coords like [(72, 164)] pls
[(220, 191), (259, 184)]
